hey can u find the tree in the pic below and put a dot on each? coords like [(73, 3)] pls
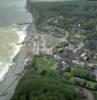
[(44, 88)]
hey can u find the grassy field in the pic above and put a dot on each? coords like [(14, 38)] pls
[(43, 64)]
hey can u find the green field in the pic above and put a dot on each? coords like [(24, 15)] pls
[(42, 63)]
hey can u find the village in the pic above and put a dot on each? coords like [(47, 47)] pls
[(63, 45), (73, 61)]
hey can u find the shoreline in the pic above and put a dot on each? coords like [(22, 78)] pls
[(6, 89), (21, 33)]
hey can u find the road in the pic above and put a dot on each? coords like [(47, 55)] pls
[(89, 94), (66, 36)]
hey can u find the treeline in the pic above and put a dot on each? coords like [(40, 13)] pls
[(42, 82), (71, 8), (73, 13)]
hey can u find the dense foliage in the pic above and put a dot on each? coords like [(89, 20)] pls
[(77, 16), (74, 12), (48, 86)]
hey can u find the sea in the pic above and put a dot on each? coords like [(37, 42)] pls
[(13, 16)]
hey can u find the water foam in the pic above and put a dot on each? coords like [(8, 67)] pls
[(4, 68), (22, 35)]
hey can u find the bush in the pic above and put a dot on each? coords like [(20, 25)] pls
[(68, 69), (91, 85), (80, 72), (67, 75)]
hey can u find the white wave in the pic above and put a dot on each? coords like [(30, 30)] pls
[(5, 67), (22, 34), (3, 71), (1, 65)]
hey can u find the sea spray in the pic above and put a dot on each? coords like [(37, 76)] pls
[(4, 70), (22, 34), (4, 66)]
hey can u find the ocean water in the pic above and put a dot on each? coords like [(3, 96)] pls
[(12, 12)]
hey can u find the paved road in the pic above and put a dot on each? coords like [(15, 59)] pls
[(84, 92), (88, 94), (66, 36), (35, 49)]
